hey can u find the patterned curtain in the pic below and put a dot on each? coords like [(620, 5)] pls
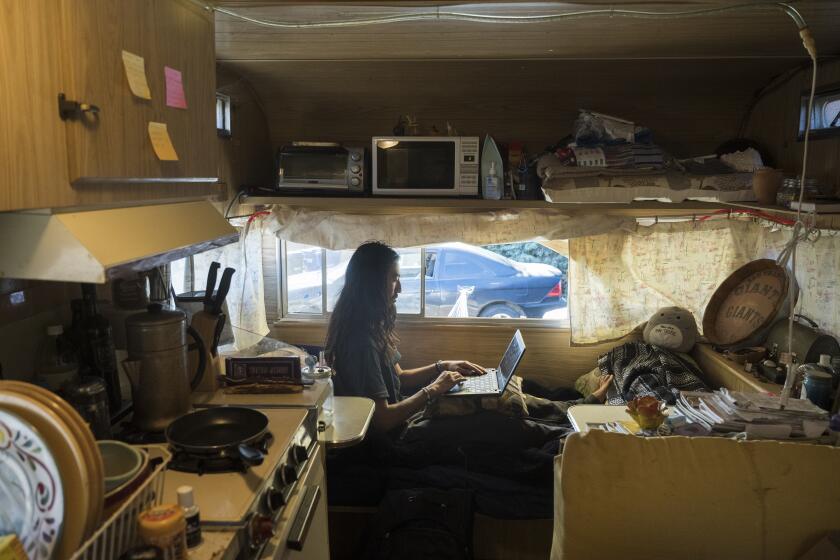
[(619, 279), (246, 300)]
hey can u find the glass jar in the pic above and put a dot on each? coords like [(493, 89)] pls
[(790, 191), (322, 375)]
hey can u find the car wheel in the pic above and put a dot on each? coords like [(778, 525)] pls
[(501, 311)]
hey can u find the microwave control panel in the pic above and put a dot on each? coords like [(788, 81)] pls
[(469, 163)]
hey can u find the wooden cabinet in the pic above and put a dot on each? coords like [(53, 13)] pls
[(49, 47)]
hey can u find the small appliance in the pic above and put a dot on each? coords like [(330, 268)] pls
[(425, 165), (320, 166)]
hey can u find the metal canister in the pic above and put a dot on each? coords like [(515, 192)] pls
[(816, 386)]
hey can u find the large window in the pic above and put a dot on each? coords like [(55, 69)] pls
[(509, 281)]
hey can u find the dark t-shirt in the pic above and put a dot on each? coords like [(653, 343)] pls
[(367, 373)]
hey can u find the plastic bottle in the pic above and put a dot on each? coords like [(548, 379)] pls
[(186, 500), (56, 362), (492, 186)]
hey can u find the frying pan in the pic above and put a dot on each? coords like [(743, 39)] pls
[(227, 431)]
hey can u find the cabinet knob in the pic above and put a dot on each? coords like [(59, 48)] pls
[(72, 110)]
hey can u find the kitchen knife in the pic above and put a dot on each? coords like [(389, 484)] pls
[(211, 286), (222, 292)]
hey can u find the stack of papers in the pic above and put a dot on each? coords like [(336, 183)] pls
[(759, 415)]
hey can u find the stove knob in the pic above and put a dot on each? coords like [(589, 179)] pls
[(273, 499), (260, 529), (299, 454), (285, 475)]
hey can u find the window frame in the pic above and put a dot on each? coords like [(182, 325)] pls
[(821, 98), (286, 318)]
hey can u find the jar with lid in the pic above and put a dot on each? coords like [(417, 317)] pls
[(816, 385), (322, 375), (56, 362), (164, 526), (90, 399)]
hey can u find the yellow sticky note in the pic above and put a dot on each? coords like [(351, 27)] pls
[(161, 142), (135, 71)]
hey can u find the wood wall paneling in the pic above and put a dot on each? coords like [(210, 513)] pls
[(246, 157), (691, 106), (549, 359), (33, 156), (775, 123)]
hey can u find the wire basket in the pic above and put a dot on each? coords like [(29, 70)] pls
[(118, 533)]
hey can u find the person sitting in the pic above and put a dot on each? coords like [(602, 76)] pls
[(361, 344)]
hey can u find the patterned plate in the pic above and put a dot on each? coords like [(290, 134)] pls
[(29, 477)]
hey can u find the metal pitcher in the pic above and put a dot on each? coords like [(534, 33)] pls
[(157, 366)]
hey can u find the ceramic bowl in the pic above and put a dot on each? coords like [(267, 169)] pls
[(122, 462)]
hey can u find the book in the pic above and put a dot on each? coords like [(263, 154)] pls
[(818, 207)]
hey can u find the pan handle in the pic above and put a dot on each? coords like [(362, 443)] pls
[(202, 357), (250, 455)]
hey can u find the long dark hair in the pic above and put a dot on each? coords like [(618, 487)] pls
[(364, 312)]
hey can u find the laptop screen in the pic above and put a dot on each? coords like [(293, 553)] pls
[(511, 359)]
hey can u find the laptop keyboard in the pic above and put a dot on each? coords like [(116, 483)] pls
[(482, 384)]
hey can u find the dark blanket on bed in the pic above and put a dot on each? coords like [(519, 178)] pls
[(507, 462), (642, 369)]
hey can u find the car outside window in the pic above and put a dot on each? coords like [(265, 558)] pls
[(525, 280)]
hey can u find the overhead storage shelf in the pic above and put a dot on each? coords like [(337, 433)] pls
[(400, 205)]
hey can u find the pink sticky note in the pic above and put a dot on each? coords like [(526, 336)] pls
[(174, 89)]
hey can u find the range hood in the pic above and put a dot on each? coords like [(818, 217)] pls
[(97, 245)]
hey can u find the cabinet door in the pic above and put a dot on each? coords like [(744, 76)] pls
[(33, 157), (114, 147)]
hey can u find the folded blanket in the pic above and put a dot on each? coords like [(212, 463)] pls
[(642, 369)]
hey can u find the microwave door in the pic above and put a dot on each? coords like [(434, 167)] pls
[(421, 166)]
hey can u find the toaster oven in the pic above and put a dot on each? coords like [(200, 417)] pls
[(320, 166)]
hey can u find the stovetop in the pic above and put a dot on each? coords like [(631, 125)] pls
[(225, 461), (226, 498)]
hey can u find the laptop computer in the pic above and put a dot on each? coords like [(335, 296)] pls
[(496, 379)]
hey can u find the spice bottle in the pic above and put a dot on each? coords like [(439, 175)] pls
[(186, 500), (164, 526)]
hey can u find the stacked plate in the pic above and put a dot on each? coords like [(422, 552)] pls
[(49, 462)]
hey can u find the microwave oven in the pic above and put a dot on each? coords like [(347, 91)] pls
[(425, 165), (320, 166)]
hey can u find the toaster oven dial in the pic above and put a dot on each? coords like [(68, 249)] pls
[(354, 181), (355, 156), (355, 168)]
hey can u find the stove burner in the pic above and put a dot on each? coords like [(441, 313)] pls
[(132, 435), (222, 462)]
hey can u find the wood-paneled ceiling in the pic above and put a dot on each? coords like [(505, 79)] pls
[(761, 33)]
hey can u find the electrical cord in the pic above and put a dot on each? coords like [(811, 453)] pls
[(233, 200), (440, 14)]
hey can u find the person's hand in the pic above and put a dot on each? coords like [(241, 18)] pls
[(445, 382), (604, 383), (463, 367)]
